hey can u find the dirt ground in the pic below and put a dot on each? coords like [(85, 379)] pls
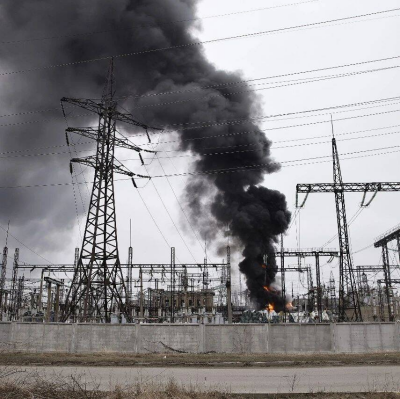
[(198, 360)]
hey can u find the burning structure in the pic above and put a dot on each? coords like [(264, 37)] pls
[(166, 61)]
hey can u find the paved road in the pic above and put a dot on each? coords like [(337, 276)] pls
[(246, 380)]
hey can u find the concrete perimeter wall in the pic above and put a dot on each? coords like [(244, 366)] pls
[(201, 338)]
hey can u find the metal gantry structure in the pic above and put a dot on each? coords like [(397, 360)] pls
[(98, 284), (304, 253), (348, 295), (175, 273), (382, 242)]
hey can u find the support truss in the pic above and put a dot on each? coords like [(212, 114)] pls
[(98, 287)]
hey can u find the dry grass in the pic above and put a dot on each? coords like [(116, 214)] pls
[(20, 384), (196, 360), (74, 390)]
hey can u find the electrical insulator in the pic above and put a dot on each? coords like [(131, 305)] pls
[(134, 183), (70, 168)]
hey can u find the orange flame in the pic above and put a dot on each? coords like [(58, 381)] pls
[(264, 266), (266, 288), (289, 306), (270, 307)]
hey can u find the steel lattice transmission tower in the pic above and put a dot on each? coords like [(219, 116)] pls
[(347, 284), (98, 285)]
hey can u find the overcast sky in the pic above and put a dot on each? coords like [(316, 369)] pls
[(270, 55)]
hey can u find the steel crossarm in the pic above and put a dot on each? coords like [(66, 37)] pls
[(87, 104), (93, 134), (387, 237), (376, 187), (307, 253), (100, 109)]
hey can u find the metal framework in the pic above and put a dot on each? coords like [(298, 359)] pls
[(348, 296), (304, 253), (382, 242), (14, 284), (98, 286)]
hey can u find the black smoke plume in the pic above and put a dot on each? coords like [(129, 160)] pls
[(60, 32)]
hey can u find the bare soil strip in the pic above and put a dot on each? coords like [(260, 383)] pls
[(198, 360)]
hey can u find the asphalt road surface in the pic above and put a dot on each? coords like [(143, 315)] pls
[(236, 380)]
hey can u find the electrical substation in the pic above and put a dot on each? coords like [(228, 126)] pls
[(95, 287)]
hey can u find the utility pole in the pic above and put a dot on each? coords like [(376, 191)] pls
[(346, 274), (14, 283), (130, 269), (383, 241), (310, 289), (332, 292), (172, 283), (98, 280), (283, 280), (347, 300), (319, 287), (141, 309), (3, 272), (228, 284)]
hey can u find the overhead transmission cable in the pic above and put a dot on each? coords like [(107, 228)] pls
[(162, 201), (350, 222), (202, 138), (206, 148), (181, 207), (152, 217), (202, 124), (230, 170), (266, 118), (242, 82), (199, 43), (172, 220), (29, 249), (239, 82), (226, 94), (85, 34)]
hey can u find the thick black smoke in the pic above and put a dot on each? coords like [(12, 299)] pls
[(256, 214)]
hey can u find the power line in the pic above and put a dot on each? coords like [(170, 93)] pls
[(351, 221), (180, 205), (205, 137), (239, 82), (172, 220), (29, 249), (198, 43), (234, 169), (152, 217), (209, 123), (162, 23), (294, 115), (295, 83), (274, 142), (212, 148)]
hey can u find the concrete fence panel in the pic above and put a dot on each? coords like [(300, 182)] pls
[(236, 338), (201, 338), (5, 333), (294, 338), (104, 338), (162, 338)]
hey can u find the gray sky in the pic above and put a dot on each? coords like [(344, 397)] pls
[(271, 55)]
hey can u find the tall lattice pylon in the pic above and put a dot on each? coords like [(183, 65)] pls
[(98, 288), (348, 295)]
